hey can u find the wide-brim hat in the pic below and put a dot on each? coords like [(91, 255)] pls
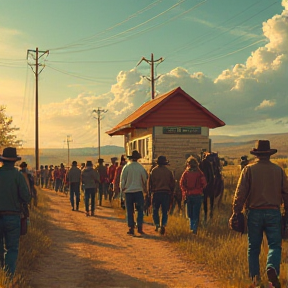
[(100, 160), (263, 148), (114, 158), (161, 160), (135, 155), (10, 154), (89, 163)]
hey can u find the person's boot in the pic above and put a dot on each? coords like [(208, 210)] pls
[(77, 207), (87, 213), (256, 282), (273, 277), (73, 208), (211, 214), (157, 226), (162, 230), (92, 213), (140, 230), (130, 231)]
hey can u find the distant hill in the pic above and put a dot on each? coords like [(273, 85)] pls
[(236, 146), (56, 156)]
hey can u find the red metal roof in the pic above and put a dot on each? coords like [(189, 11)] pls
[(175, 108)]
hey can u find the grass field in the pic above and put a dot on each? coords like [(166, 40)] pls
[(222, 251)]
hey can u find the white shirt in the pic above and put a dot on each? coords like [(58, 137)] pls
[(133, 178)]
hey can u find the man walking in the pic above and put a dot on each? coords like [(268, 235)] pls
[(261, 188), (14, 193), (161, 184), (90, 179), (111, 174), (74, 177), (101, 169), (133, 182)]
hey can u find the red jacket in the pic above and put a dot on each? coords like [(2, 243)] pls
[(192, 182), (111, 172)]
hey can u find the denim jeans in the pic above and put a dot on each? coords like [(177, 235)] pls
[(194, 203), (137, 199), (101, 192), (10, 232), (90, 193), (58, 183), (269, 222), (75, 191), (160, 199)]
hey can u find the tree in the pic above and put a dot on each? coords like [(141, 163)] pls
[(7, 136)]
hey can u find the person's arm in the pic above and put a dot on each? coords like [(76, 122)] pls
[(203, 180), (150, 183), (242, 191), (285, 192), (97, 177), (23, 190), (123, 179), (172, 182), (144, 180), (182, 184)]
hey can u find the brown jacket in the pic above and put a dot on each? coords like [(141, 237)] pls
[(263, 184), (161, 179)]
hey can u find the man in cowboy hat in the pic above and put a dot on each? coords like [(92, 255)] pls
[(133, 182), (111, 175), (161, 184), (74, 178), (261, 188), (102, 170), (91, 179), (116, 180), (14, 193)]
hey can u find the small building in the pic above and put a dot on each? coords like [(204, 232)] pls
[(173, 124)]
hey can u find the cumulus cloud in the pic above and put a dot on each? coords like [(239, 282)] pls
[(265, 104)]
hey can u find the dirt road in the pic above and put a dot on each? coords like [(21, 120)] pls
[(97, 252)]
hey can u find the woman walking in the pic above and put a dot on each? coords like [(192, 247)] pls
[(192, 183)]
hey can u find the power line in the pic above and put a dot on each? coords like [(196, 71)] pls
[(191, 46), (110, 28), (108, 80), (123, 32)]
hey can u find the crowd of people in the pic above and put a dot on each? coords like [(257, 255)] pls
[(261, 190)]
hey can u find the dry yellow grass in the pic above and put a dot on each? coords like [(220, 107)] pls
[(222, 251)]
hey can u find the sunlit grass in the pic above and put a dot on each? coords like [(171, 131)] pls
[(224, 252)]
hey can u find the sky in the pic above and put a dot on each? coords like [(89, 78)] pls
[(231, 56)]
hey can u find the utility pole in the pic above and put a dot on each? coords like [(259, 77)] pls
[(68, 140), (152, 77), (99, 117), (36, 55)]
